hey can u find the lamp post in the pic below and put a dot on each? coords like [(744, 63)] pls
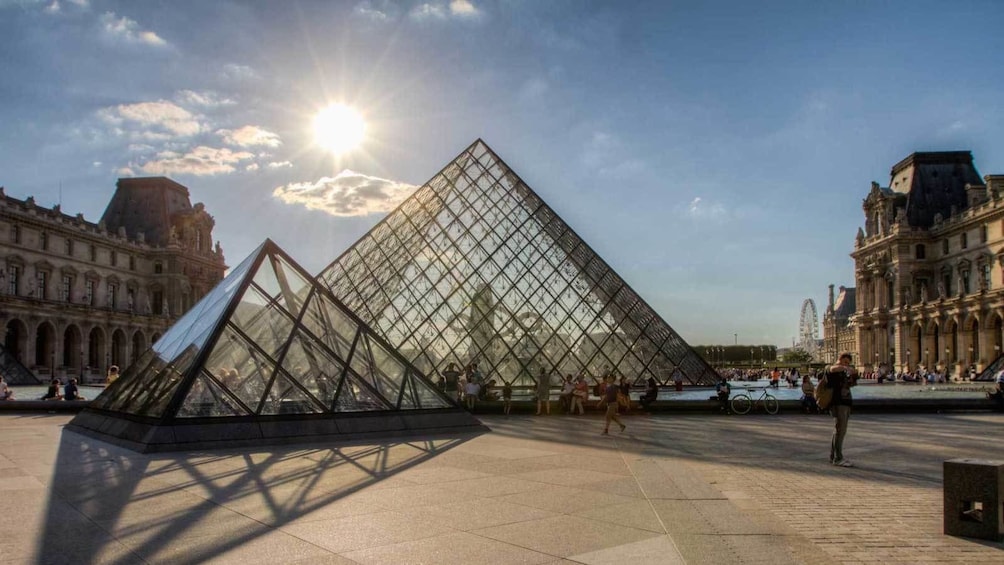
[(997, 351), (948, 355), (892, 359), (751, 358), (907, 360), (927, 359)]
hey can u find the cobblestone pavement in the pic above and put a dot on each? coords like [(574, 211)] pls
[(669, 490)]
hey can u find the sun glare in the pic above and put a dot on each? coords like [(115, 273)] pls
[(339, 128)]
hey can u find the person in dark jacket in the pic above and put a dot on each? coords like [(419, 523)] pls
[(841, 377)]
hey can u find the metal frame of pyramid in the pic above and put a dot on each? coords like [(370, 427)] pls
[(475, 267), (269, 356), (13, 371)]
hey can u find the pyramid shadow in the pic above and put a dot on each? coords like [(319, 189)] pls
[(109, 504)]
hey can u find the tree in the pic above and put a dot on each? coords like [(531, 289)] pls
[(797, 355)]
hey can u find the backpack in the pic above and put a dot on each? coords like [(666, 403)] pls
[(824, 394)]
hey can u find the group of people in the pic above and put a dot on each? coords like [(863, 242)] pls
[(469, 387), (69, 391), (56, 390)]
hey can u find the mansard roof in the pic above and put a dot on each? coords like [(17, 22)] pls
[(846, 302), (934, 183), (146, 204)]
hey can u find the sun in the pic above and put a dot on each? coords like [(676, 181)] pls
[(339, 128)]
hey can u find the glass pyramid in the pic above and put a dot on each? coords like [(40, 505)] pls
[(14, 373), (475, 267), (267, 344)]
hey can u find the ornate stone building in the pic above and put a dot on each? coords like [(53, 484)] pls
[(77, 297), (929, 267)]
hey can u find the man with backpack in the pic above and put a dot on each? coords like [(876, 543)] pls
[(839, 379)]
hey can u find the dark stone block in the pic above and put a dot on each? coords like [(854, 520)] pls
[(366, 424), (432, 421), (973, 490), (295, 428), (221, 432)]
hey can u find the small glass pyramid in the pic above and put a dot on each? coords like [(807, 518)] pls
[(475, 267), (267, 344)]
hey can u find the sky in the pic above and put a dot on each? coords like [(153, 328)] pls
[(715, 154)]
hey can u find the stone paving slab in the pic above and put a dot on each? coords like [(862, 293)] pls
[(671, 490)]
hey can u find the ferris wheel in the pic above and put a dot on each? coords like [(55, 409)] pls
[(808, 327)]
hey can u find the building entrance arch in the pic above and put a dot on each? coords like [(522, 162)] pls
[(45, 346), (96, 349), (72, 353), (119, 348), (16, 340)]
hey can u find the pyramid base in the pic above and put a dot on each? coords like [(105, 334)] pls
[(204, 434)]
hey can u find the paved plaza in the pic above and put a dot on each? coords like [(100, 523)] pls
[(672, 489)]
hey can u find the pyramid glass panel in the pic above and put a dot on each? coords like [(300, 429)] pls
[(318, 371), (241, 367), (356, 396), (475, 267), (327, 322), (284, 397), (427, 397), (192, 328), (208, 399)]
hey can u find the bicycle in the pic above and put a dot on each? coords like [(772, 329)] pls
[(742, 403)]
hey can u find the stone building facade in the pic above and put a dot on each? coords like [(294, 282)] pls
[(929, 267), (838, 334), (77, 296)]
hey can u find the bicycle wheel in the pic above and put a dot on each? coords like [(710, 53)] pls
[(770, 404), (741, 404)]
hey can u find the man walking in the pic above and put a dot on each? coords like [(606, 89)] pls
[(610, 397), (840, 378)]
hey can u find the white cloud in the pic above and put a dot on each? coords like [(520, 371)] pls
[(440, 11), (347, 194), (249, 136), (54, 7), (252, 167), (166, 118), (699, 209), (368, 10), (234, 71), (96, 164), (128, 30), (125, 172), (205, 99), (201, 161), (280, 165), (464, 8)]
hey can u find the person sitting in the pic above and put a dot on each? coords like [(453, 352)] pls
[(53, 392), (651, 393), (113, 374), (997, 395), (809, 396), (723, 390), (70, 391), (5, 392), (471, 391)]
